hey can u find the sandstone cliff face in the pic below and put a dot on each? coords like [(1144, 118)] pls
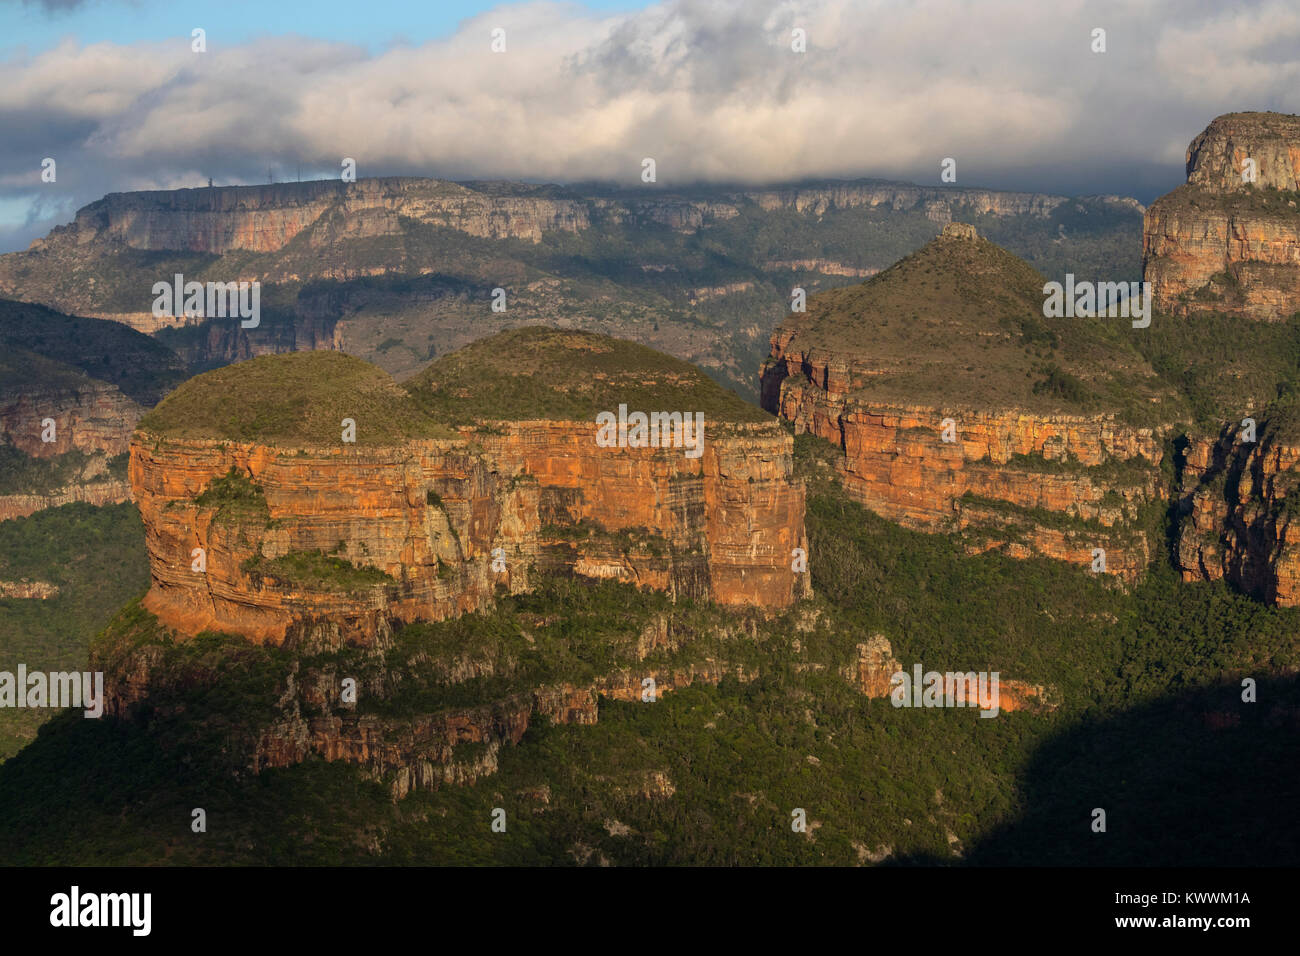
[(430, 514), (1219, 243), (267, 218), (939, 203), (726, 524), (897, 464), (94, 418), (315, 247), (1216, 155), (424, 751), (820, 199), (428, 751), (374, 502), (1238, 504), (824, 266), (872, 674), (105, 491)]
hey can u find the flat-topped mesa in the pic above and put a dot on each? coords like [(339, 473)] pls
[(1229, 239), (960, 407), (267, 218), (263, 520)]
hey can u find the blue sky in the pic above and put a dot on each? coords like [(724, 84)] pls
[(36, 27)]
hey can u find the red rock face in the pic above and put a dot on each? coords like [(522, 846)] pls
[(371, 500), (96, 419), (1236, 521), (430, 514), (1224, 244), (731, 517), (872, 674), (1251, 254), (897, 464)]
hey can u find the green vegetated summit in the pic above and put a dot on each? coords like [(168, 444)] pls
[(960, 322), (541, 373), (522, 374), (295, 397)]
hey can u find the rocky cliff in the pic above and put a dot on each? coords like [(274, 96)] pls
[(71, 392), (95, 491), (400, 270), (342, 232), (892, 374), (722, 527), (1229, 239), (939, 202), (873, 672), (267, 218), (302, 539), (76, 413), (1239, 500), (28, 590), (474, 696), (60, 432)]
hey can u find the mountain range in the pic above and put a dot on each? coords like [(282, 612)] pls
[(381, 578)]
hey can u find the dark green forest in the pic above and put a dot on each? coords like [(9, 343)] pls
[(1152, 728)]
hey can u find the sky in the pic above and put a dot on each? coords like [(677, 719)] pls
[(713, 90)]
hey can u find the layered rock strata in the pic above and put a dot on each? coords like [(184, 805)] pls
[(430, 514), (1000, 481), (873, 672), (425, 750), (90, 417), (1229, 239), (284, 539), (1239, 502), (104, 491), (89, 422)]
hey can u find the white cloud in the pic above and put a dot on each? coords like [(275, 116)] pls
[(709, 89)]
